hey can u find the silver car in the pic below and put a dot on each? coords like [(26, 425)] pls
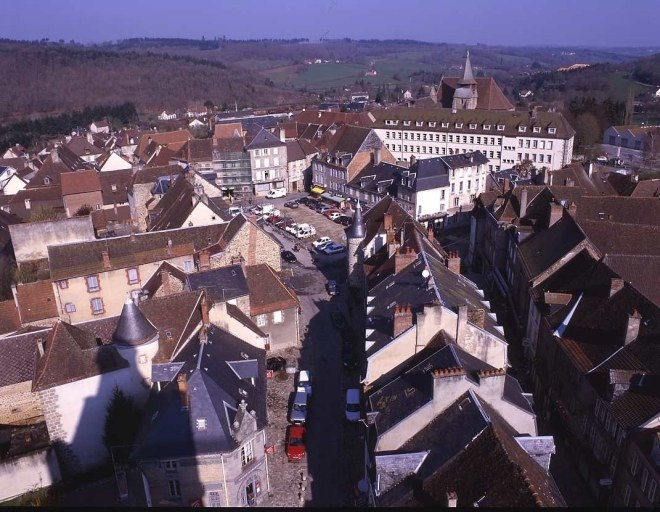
[(298, 412)]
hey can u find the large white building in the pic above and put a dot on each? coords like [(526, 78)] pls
[(506, 138)]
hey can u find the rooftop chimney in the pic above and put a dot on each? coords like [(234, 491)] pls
[(106, 260), (556, 211), (477, 317), (387, 221), (454, 262), (205, 311), (377, 156), (403, 320), (55, 155), (523, 202), (412, 160), (461, 324), (616, 284), (204, 260), (182, 384), (402, 258), (40, 346), (632, 329)]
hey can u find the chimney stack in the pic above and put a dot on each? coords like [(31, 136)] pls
[(106, 259), (55, 155), (454, 262), (182, 384), (403, 320), (402, 258), (204, 260), (205, 311), (477, 317), (632, 329), (523, 202), (506, 185), (40, 347), (556, 211), (413, 160), (616, 284), (377, 156), (461, 323)]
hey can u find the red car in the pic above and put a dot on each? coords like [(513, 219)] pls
[(331, 210), (295, 442)]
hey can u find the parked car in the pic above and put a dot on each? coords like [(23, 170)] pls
[(291, 204), (304, 200), (323, 208), (275, 193), (321, 242), (348, 357), (329, 212), (288, 256), (294, 443), (333, 249), (334, 215), (305, 381), (331, 286), (291, 228), (234, 210), (352, 404), (298, 412), (344, 220)]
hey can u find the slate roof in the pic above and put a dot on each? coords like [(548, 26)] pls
[(373, 219), (641, 271), (36, 301), (267, 291), (152, 285), (121, 180), (173, 329), (133, 328), (490, 96), (17, 354), (215, 372), (510, 119), (543, 249), (348, 139), (620, 238), (80, 182), (264, 139), (647, 188), (393, 468), (72, 354), (627, 210), (475, 452), (328, 118), (413, 388), (80, 146), (176, 206), (85, 258), (299, 150), (221, 284), (149, 175), (198, 150), (9, 319)]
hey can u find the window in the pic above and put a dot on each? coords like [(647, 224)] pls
[(274, 151), (406, 123), (473, 126), (445, 125), (486, 127), (69, 307), (535, 144), (549, 144), (522, 129), (456, 201), (652, 488), (645, 479), (214, 500), (432, 124), (419, 123), (132, 275), (278, 317), (537, 129), (459, 125), (247, 454), (113, 187), (633, 464), (97, 306), (175, 488), (500, 127), (200, 424), (92, 283), (63, 284), (261, 320), (266, 162), (170, 465), (552, 130), (417, 136)]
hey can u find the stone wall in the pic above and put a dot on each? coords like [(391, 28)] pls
[(253, 245), (18, 405)]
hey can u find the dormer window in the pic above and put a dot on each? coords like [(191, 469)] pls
[(459, 125), (473, 126), (432, 124), (27, 204), (406, 123), (391, 122), (486, 127), (47, 180), (114, 188), (500, 127), (419, 123), (445, 125), (537, 129), (552, 131), (522, 129), (200, 424)]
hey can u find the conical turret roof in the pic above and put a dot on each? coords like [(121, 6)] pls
[(468, 76), (357, 226), (133, 328)]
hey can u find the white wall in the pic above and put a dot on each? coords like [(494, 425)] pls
[(28, 473), (116, 163)]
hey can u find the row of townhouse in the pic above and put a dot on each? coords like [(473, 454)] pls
[(444, 424), (578, 264)]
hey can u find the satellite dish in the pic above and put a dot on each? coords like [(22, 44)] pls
[(425, 273)]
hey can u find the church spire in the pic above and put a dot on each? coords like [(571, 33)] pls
[(357, 226), (468, 76)]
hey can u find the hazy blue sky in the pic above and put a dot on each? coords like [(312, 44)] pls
[(509, 22)]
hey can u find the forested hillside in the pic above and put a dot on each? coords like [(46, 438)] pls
[(49, 79)]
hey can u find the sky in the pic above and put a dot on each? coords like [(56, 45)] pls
[(621, 23)]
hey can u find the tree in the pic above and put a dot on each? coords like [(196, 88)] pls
[(587, 130), (83, 210), (208, 104), (122, 423)]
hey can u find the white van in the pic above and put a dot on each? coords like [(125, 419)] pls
[(234, 210), (275, 193)]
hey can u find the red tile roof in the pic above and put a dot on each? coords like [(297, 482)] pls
[(36, 301), (267, 291), (80, 182)]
